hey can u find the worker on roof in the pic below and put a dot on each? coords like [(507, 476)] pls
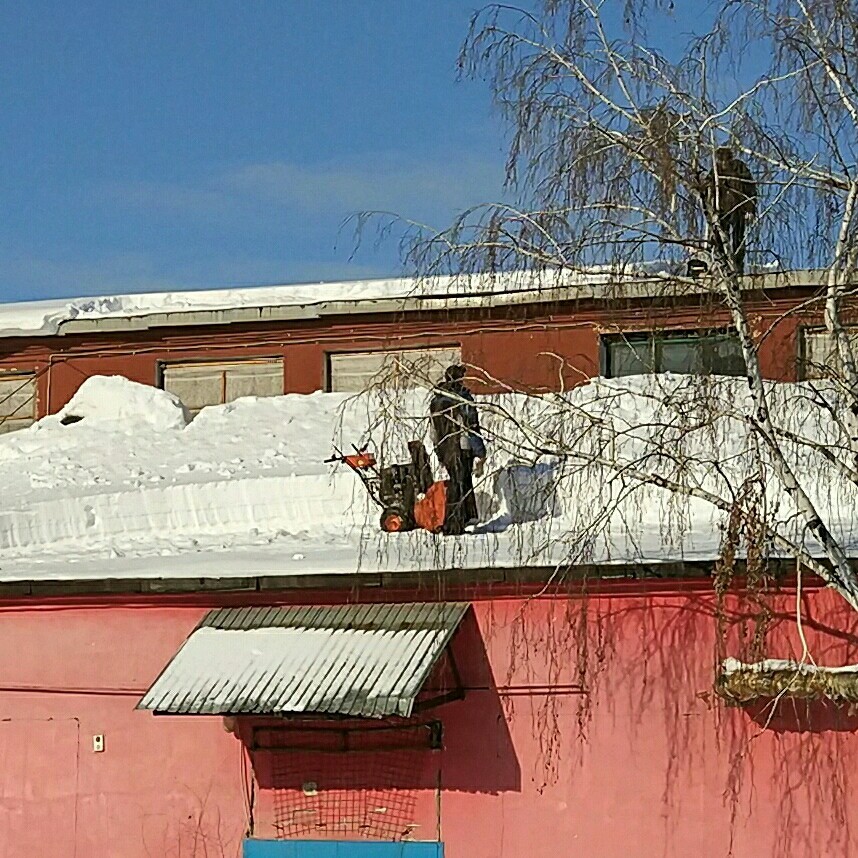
[(459, 446), (730, 191)]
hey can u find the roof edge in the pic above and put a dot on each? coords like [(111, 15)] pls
[(433, 583), (637, 288), (597, 288)]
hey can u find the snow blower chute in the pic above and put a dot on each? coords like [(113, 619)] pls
[(408, 495)]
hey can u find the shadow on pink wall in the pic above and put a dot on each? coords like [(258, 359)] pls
[(382, 779)]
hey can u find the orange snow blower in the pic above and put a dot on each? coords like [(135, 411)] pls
[(407, 494)]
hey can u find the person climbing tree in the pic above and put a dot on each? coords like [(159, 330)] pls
[(458, 445), (731, 193)]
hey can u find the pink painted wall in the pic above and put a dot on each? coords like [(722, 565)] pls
[(159, 788), (663, 768)]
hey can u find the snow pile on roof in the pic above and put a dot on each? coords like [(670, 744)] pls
[(243, 489), (46, 317), (115, 399)]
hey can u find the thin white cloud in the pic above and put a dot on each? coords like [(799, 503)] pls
[(273, 189), (452, 184), (165, 197), (237, 220)]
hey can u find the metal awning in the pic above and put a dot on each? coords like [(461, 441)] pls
[(357, 660)]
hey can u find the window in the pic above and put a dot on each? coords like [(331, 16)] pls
[(353, 372), (819, 353), (202, 384), (17, 400), (716, 353)]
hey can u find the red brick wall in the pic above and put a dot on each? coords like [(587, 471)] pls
[(540, 349)]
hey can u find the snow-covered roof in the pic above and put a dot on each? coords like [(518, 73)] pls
[(315, 300), (132, 490)]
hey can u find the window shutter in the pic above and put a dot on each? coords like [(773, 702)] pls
[(17, 400), (254, 380), (202, 384), (819, 352), (353, 372)]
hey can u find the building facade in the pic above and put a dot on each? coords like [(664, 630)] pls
[(486, 713), (542, 733), (535, 341)]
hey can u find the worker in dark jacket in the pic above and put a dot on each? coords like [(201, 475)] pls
[(458, 445), (731, 193)]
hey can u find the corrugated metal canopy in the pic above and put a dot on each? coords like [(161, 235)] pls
[(358, 660)]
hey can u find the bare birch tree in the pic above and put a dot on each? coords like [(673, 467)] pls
[(611, 141)]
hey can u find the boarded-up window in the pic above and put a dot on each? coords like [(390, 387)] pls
[(202, 384), (353, 372), (17, 400), (819, 357)]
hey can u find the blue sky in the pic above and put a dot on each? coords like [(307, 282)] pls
[(194, 144), (168, 145)]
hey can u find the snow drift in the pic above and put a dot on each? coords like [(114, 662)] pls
[(115, 399), (132, 488)]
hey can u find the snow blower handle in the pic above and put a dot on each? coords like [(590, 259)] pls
[(360, 460)]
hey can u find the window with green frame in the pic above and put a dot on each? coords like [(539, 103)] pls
[(690, 352)]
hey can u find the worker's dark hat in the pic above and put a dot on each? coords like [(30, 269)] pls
[(455, 372)]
